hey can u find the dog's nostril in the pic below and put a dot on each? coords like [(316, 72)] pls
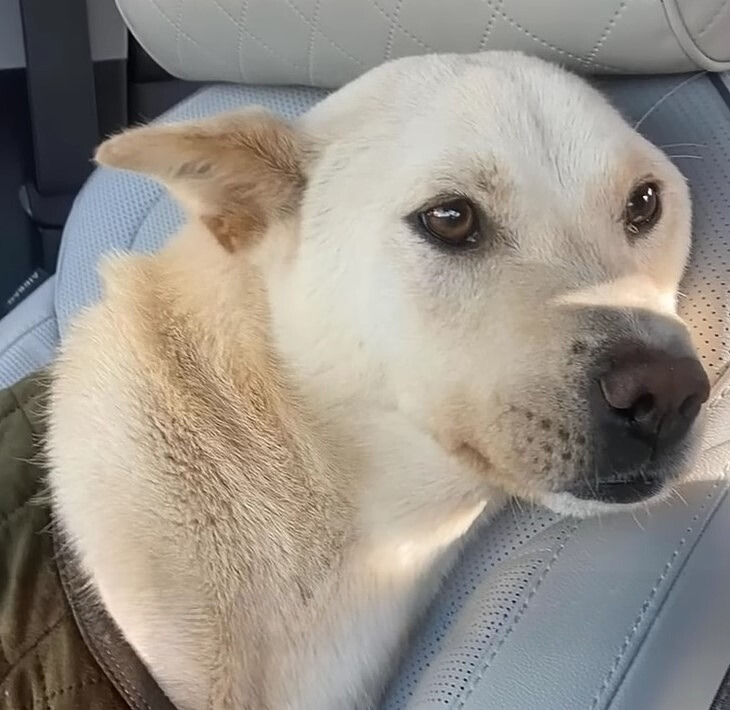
[(691, 406), (642, 409)]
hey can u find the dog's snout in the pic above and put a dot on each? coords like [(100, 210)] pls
[(655, 394), (644, 404)]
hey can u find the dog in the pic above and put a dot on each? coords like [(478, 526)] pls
[(450, 282)]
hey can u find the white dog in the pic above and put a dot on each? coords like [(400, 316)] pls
[(450, 282)]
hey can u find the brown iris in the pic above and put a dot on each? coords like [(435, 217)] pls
[(643, 208), (454, 223)]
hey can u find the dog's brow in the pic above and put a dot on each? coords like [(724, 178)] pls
[(488, 179), (491, 180)]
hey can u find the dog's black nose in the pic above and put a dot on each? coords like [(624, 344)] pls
[(643, 406), (654, 394)]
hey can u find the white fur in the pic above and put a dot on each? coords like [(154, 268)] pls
[(283, 444)]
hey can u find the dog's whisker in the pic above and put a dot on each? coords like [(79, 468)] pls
[(647, 508), (689, 157), (681, 497), (683, 145), (587, 481), (637, 521), (666, 96), (513, 509)]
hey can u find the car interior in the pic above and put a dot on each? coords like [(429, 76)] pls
[(629, 611)]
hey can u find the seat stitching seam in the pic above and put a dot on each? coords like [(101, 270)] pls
[(10, 412), (490, 25), (310, 48), (27, 651), (178, 23), (44, 687), (242, 17), (76, 686), (391, 29), (647, 604), (127, 685), (213, 57), (713, 19), (608, 30), (538, 582), (225, 12), (270, 50), (114, 671), (422, 43), (544, 43), (313, 24), (7, 519)]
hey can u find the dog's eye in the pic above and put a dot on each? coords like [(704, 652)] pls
[(642, 209), (454, 223)]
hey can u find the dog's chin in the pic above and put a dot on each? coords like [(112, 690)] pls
[(629, 492), (654, 481), (566, 503)]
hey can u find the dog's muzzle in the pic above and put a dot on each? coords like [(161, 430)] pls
[(643, 406)]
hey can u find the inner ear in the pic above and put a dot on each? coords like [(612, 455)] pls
[(237, 173)]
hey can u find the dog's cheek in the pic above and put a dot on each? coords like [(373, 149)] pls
[(539, 446)]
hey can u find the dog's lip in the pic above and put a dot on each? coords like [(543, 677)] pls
[(622, 491)]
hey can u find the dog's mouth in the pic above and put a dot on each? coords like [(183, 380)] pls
[(621, 492), (656, 476)]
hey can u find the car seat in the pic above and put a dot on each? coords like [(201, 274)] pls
[(627, 611)]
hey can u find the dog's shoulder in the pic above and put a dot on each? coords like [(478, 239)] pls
[(184, 466)]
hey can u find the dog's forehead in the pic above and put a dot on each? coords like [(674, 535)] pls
[(504, 111)]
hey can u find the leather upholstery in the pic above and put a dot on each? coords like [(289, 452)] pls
[(541, 612), (326, 43)]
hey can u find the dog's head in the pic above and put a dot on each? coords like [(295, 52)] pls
[(480, 243)]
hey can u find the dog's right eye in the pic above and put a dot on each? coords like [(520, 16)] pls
[(454, 223)]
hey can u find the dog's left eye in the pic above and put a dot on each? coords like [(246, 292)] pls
[(642, 209), (454, 223)]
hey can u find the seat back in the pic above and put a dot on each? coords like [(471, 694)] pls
[(326, 43)]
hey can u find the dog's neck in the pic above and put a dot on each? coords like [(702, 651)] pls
[(245, 499)]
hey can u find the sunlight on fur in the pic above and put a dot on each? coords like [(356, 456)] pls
[(379, 321)]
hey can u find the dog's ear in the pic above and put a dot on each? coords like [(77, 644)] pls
[(237, 173)]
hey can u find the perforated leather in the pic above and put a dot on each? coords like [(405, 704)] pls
[(328, 42), (541, 612), (688, 117), (500, 564), (28, 335)]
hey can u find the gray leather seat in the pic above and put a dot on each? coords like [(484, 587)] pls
[(542, 612)]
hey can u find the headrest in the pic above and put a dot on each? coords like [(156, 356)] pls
[(326, 43)]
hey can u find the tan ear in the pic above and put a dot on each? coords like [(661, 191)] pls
[(237, 172)]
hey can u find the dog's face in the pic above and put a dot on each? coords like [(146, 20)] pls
[(483, 244)]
